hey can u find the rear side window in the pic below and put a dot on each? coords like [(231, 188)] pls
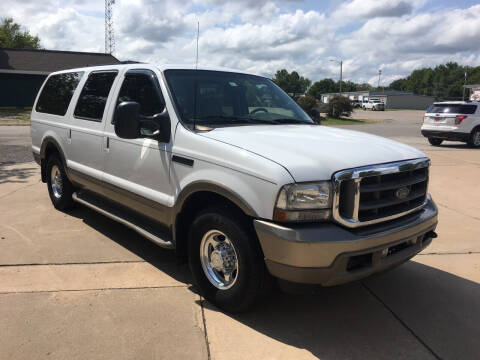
[(140, 87), (57, 93), (92, 100), (452, 108)]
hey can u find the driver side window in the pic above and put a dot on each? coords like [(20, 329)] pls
[(140, 87)]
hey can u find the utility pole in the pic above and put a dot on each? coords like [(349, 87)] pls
[(109, 34), (379, 74), (464, 83), (340, 62)]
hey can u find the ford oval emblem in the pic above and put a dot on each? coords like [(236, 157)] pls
[(402, 193)]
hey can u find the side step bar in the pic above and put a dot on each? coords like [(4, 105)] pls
[(115, 214)]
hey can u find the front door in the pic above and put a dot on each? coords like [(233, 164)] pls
[(136, 172)]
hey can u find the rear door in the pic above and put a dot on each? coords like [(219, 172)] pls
[(86, 136), (136, 171)]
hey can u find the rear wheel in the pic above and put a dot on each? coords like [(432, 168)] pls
[(435, 141), (226, 260), (60, 188), (474, 140)]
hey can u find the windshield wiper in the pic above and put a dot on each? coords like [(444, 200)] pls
[(291, 121), (234, 119)]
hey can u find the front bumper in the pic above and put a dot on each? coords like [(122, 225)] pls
[(446, 135), (329, 254)]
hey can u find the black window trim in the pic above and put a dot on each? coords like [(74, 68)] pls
[(91, 73), (80, 72), (147, 72)]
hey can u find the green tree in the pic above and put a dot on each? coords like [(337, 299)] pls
[(339, 105), (443, 81), (292, 83), (12, 36), (324, 86)]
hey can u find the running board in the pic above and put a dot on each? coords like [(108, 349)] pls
[(116, 214)]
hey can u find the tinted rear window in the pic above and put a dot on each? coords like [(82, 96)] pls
[(57, 93), (93, 97), (452, 109)]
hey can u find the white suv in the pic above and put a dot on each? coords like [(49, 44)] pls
[(227, 169), (452, 120)]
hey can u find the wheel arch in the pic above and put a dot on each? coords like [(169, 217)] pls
[(50, 145), (198, 196)]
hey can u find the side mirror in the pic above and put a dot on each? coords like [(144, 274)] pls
[(126, 123), (156, 127)]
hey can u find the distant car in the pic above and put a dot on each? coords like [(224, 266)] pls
[(375, 105), (452, 120), (357, 104)]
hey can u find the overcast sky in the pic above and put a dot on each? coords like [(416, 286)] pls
[(263, 36)]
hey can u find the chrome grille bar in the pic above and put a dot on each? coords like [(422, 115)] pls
[(347, 204)]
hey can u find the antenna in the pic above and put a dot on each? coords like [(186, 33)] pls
[(109, 35), (198, 35)]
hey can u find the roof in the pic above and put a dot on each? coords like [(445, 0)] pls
[(161, 67), (47, 61)]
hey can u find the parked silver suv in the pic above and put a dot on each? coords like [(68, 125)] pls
[(227, 169)]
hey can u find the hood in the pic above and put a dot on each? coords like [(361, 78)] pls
[(312, 152)]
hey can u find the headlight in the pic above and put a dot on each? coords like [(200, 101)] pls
[(304, 202)]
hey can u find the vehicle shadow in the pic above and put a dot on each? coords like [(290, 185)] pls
[(382, 317), (455, 146), (363, 320), (163, 259)]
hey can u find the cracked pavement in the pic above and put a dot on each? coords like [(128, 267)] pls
[(78, 285)]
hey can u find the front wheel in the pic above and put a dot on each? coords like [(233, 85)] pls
[(435, 141), (474, 140), (226, 260)]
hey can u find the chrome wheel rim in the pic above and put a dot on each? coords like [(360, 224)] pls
[(219, 259), (476, 138), (56, 182)]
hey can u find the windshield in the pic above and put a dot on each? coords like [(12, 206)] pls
[(216, 98)]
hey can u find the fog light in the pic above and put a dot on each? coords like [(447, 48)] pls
[(385, 252)]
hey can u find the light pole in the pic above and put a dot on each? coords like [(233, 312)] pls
[(379, 74), (341, 70), (464, 83)]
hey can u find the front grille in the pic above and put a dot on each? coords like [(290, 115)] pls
[(373, 194)]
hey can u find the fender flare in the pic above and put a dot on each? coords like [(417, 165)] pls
[(213, 187), (49, 140)]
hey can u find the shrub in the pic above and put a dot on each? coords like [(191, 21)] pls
[(309, 104), (339, 105)]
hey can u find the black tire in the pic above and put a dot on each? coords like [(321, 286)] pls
[(61, 200), (364, 108), (472, 142), (435, 141), (253, 282)]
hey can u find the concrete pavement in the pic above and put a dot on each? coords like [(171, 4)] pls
[(78, 285)]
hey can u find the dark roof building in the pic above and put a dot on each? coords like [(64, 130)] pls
[(23, 71)]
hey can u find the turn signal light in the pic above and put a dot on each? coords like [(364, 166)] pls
[(459, 119)]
